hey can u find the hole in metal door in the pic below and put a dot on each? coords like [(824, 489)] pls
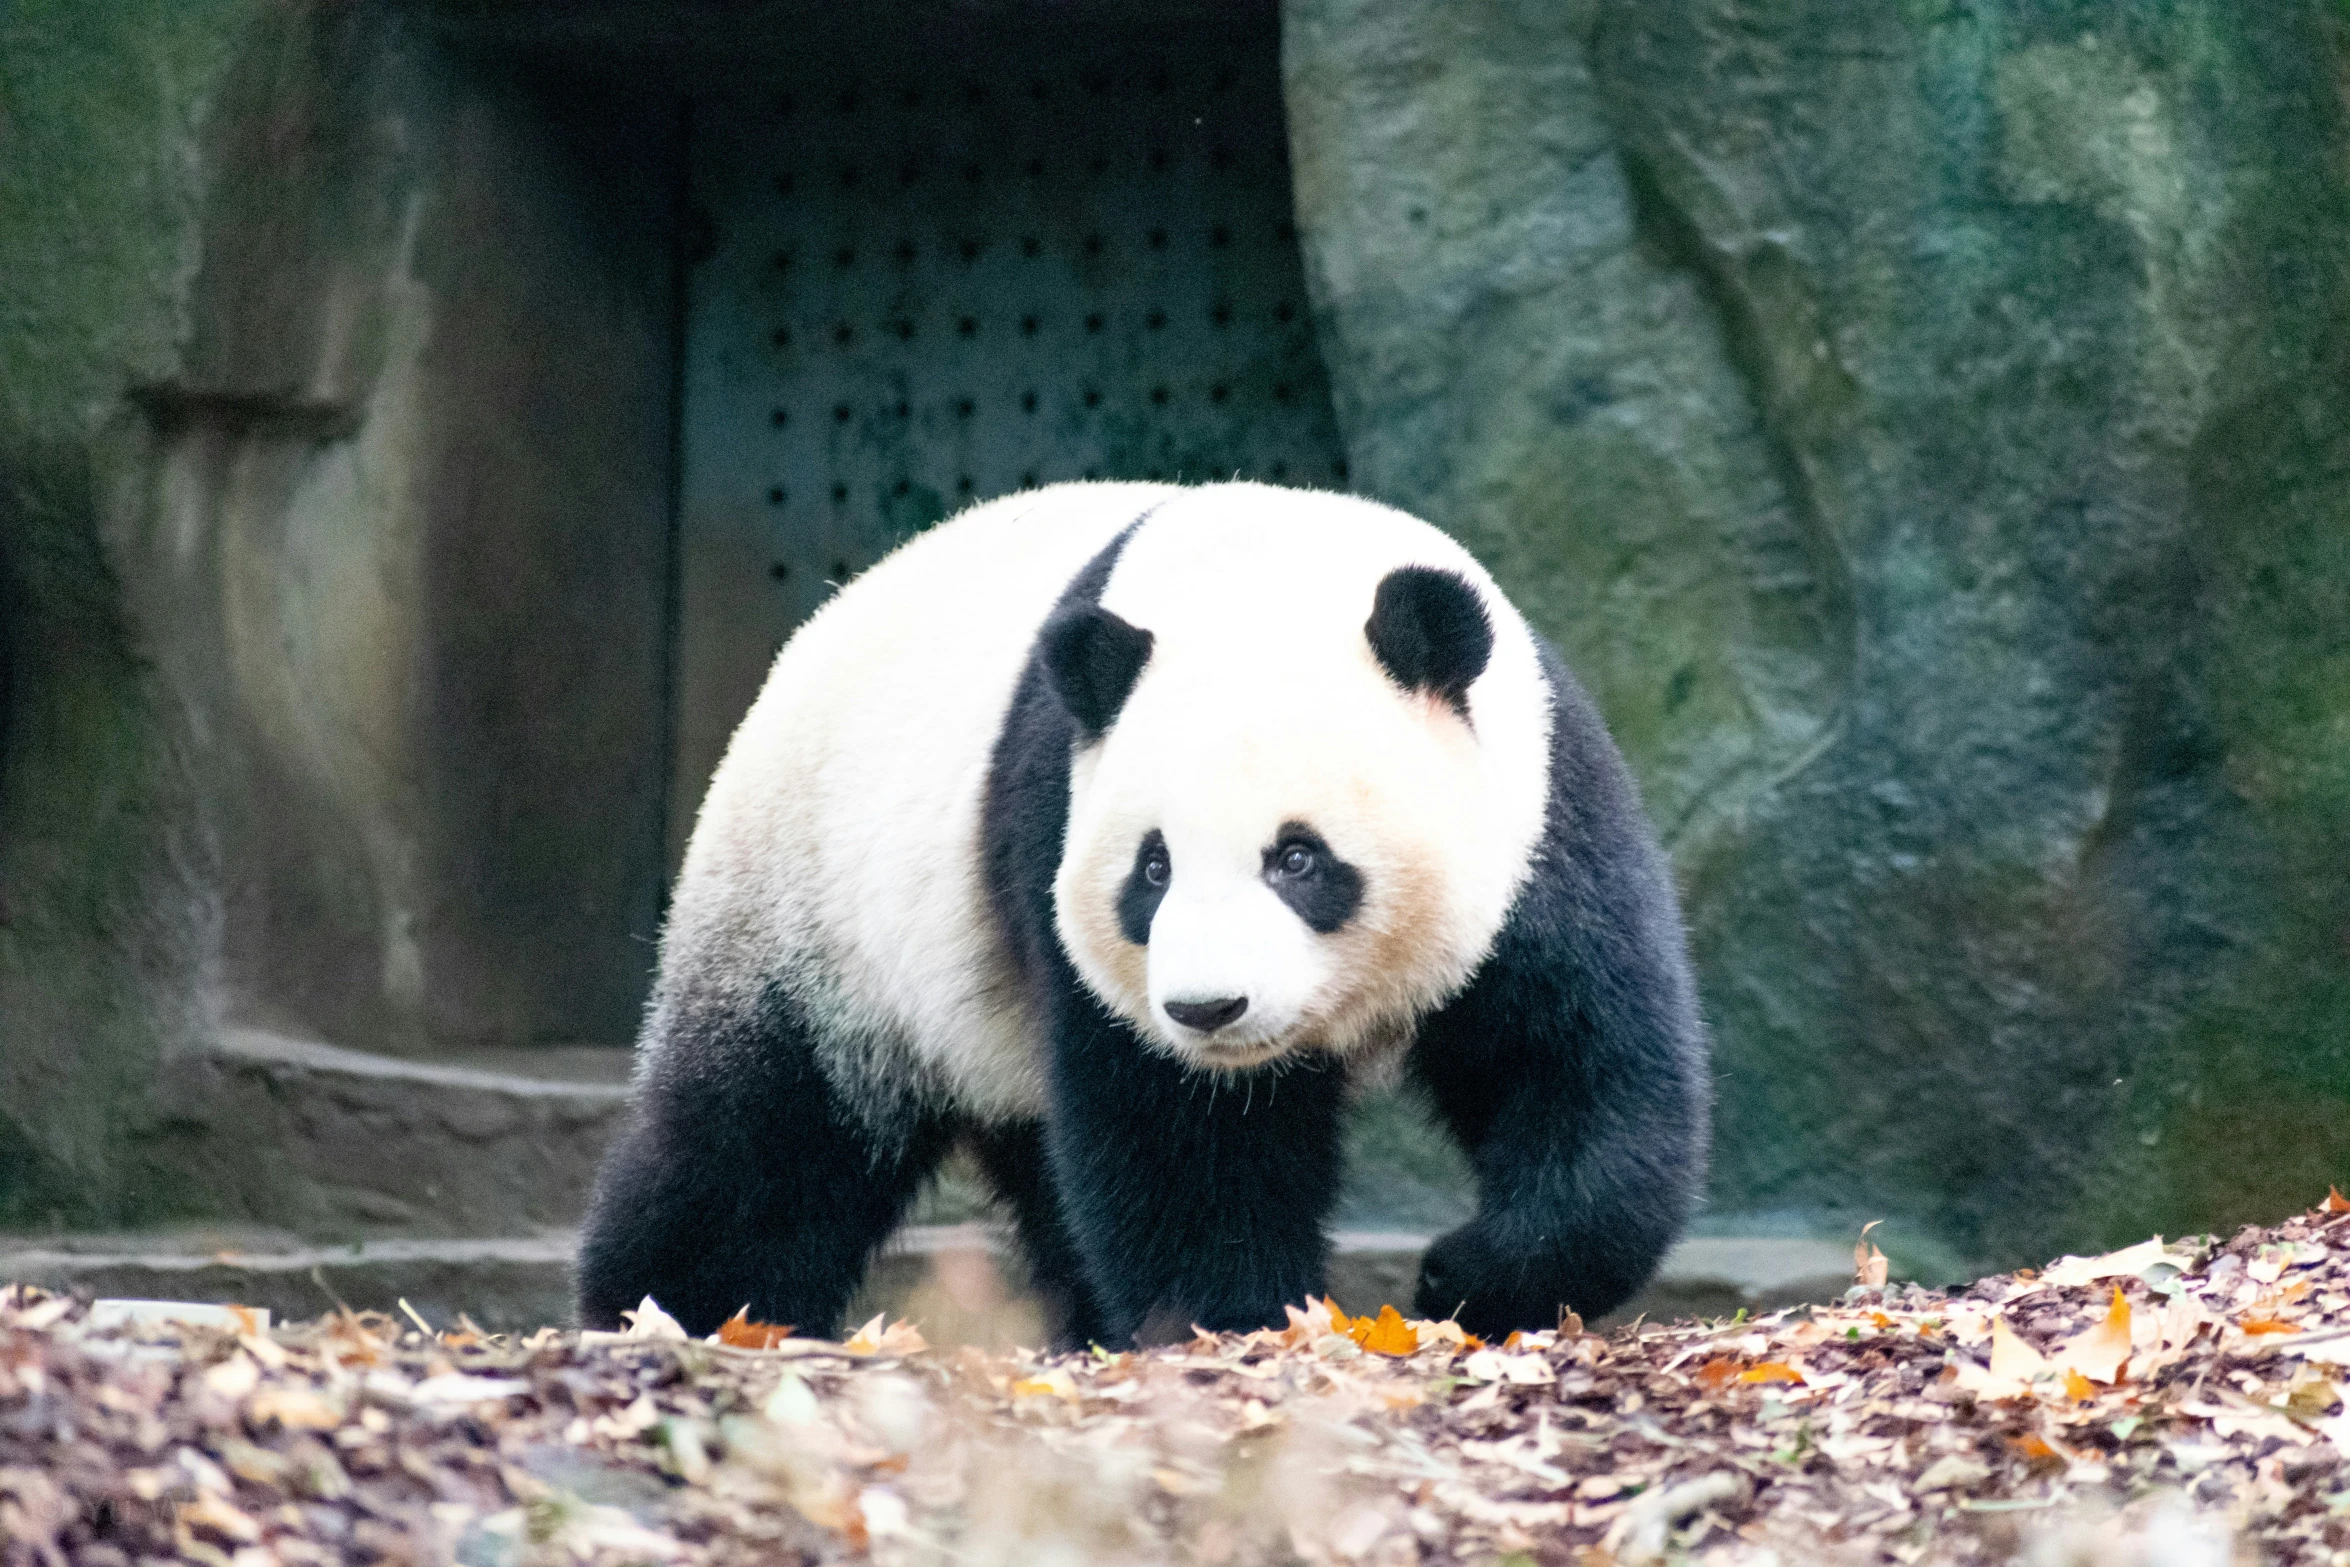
[(933, 281)]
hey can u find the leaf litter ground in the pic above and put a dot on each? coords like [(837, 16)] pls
[(2165, 1404)]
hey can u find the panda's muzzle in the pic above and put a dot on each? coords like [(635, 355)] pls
[(1207, 1016)]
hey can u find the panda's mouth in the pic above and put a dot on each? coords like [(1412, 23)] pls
[(1232, 1054)]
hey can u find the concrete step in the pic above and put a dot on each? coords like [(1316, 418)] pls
[(335, 1144), (332, 1145), (951, 1278)]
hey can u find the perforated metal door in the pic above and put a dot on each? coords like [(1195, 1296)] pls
[(929, 286)]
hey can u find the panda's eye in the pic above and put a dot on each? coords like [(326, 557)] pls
[(1154, 870), (1295, 861)]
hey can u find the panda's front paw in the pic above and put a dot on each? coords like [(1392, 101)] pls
[(1505, 1272), (1457, 1278), (1490, 1284)]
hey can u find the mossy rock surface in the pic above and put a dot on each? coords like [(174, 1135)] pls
[(1927, 429)]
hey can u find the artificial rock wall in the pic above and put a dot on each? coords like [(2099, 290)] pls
[(335, 482), (1927, 429)]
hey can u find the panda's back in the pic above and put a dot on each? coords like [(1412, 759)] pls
[(837, 852)]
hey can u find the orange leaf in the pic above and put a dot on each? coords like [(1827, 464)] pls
[(1353, 1327), (2036, 1449), (2078, 1387), (2335, 1202), (1390, 1335), (1771, 1371), (2266, 1325), (1717, 1374), (740, 1332)]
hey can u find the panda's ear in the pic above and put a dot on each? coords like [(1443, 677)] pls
[(1431, 633), (1094, 659)]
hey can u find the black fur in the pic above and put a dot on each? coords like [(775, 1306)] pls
[(1094, 659), (1327, 893), (1572, 1069), (1139, 899), (740, 1179), (1431, 632)]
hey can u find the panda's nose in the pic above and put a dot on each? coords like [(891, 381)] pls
[(1207, 1016)]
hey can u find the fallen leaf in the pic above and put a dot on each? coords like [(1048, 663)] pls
[(1493, 1365), (1055, 1382), (2099, 1351), (1771, 1371), (2265, 1325), (1390, 1335), (455, 1387), (1952, 1471), (899, 1338), (2335, 1202), (2072, 1272), (218, 1516), (1868, 1264), (1447, 1332), (2078, 1387), (740, 1332), (2011, 1357), (1716, 1374), (295, 1408), (649, 1321), (2037, 1450)]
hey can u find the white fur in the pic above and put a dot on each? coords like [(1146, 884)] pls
[(839, 842), (1262, 703)]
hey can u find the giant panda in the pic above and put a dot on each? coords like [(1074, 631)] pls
[(1121, 832)]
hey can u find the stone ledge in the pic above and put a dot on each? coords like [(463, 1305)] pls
[(329, 1143)]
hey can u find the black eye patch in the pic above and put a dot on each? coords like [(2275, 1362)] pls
[(1146, 886), (1321, 888)]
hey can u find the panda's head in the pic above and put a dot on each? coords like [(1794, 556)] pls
[(1307, 780)]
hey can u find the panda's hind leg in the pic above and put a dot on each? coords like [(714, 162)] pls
[(1015, 1161), (743, 1178)]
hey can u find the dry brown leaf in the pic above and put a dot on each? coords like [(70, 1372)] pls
[(1868, 1264), (2099, 1352), (899, 1338), (649, 1321), (2335, 1202), (1771, 1371), (2011, 1357), (2265, 1325), (2072, 1272), (295, 1408)]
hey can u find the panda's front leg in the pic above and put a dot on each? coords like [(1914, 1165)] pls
[(1195, 1197), (1573, 1073)]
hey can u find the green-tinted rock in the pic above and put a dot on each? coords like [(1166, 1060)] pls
[(103, 911), (1928, 430)]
